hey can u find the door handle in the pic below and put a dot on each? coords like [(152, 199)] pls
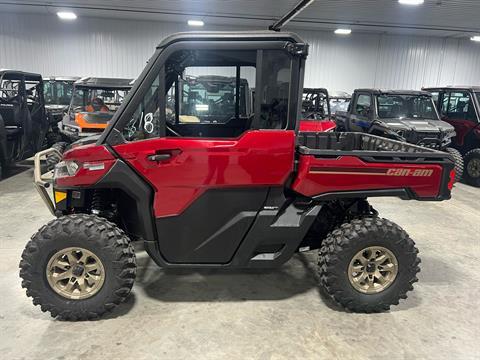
[(159, 157)]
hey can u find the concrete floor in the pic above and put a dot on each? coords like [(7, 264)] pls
[(257, 314)]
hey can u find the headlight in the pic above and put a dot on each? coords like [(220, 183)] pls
[(65, 168)]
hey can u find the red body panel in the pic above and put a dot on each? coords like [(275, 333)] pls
[(318, 176), (257, 158), (462, 128), (87, 154), (317, 125)]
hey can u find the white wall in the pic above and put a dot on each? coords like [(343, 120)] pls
[(108, 47)]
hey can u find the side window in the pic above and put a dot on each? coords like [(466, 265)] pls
[(435, 96), (363, 104), (210, 94), (444, 104), (460, 106), (274, 90)]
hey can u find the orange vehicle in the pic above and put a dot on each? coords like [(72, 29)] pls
[(93, 104)]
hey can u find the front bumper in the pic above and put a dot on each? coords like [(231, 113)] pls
[(42, 181)]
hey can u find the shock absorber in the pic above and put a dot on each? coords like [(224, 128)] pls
[(100, 204)]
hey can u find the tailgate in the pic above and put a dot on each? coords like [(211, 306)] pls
[(362, 165)]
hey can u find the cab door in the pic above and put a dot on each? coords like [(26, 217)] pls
[(458, 109), (360, 117), (211, 165)]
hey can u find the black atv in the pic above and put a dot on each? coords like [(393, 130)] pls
[(402, 115), (24, 122)]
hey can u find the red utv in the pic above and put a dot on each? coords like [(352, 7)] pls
[(242, 191), (316, 111), (460, 106)]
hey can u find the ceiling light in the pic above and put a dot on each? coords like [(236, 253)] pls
[(66, 15), (195, 23), (343, 31), (475, 38), (411, 2)]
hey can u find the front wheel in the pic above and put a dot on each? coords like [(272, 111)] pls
[(472, 167), (368, 264), (78, 267)]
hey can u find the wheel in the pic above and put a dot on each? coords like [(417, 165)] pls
[(457, 156), (53, 138), (53, 159), (368, 264), (472, 167), (78, 267)]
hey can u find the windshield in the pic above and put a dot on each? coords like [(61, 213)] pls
[(339, 106), (92, 100), (57, 92), (406, 107)]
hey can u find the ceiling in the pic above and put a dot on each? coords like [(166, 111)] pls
[(452, 18)]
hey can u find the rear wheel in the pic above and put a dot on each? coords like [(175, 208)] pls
[(457, 156), (78, 267), (472, 167), (368, 264)]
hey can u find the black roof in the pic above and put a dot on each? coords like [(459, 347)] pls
[(230, 36), (454, 87), (15, 74), (394, 92), (315, 90), (61, 78), (104, 83)]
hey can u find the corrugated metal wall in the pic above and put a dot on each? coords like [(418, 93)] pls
[(114, 47)]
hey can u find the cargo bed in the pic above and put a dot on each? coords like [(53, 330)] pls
[(363, 165)]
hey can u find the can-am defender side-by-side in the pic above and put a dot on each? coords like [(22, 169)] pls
[(23, 120), (316, 111), (460, 107), (403, 115), (92, 105), (245, 191)]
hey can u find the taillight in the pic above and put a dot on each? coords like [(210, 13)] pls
[(452, 180)]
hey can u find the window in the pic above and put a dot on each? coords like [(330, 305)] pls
[(406, 106), (58, 92), (363, 105), (274, 90), (145, 121), (459, 105), (209, 94), (435, 96)]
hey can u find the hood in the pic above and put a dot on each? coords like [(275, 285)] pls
[(420, 125)]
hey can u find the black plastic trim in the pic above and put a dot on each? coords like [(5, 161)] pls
[(122, 177)]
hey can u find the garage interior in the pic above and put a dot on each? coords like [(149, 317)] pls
[(255, 313)]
